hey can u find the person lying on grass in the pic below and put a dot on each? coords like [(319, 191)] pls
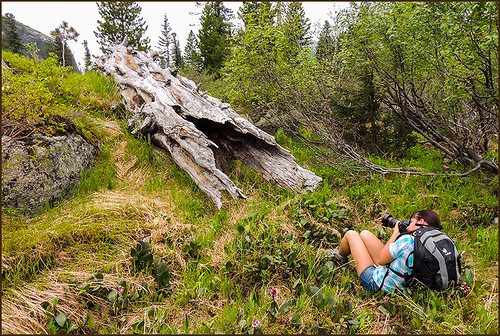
[(371, 256)]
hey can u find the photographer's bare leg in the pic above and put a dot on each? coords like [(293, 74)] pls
[(352, 243), (372, 243)]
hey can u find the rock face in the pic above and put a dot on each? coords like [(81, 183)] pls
[(41, 170), (43, 42)]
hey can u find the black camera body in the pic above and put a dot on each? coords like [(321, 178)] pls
[(390, 221)]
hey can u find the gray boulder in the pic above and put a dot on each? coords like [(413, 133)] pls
[(41, 170)]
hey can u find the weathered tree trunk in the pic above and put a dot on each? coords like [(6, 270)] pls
[(199, 131)]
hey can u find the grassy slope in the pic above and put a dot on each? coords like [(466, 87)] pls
[(212, 271)]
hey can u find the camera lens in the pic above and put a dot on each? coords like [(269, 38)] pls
[(389, 221)]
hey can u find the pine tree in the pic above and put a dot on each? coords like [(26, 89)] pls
[(326, 44), (257, 58), (165, 43), (247, 12), (120, 19), (62, 34), (56, 47), (191, 52), (87, 57), (256, 12), (280, 12), (296, 28), (62, 51), (176, 52), (10, 39), (214, 36)]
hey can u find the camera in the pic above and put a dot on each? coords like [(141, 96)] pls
[(390, 221)]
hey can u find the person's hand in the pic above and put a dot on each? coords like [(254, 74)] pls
[(395, 230)]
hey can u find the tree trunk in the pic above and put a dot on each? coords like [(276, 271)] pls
[(63, 52), (199, 131)]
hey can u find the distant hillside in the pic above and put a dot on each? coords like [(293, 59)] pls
[(43, 42)]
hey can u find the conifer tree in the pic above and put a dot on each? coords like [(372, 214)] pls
[(191, 52), (326, 43), (57, 48), (61, 35), (165, 43), (10, 39), (280, 12), (176, 52), (214, 36), (87, 57), (120, 19), (296, 28), (256, 12), (32, 51), (257, 57)]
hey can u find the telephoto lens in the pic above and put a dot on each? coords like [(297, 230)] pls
[(389, 221)]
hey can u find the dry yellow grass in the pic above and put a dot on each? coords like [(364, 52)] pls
[(22, 310), (111, 127)]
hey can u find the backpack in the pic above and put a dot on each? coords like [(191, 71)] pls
[(436, 261)]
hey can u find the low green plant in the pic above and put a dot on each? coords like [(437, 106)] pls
[(119, 297), (321, 221), (36, 95), (264, 253), (144, 261), (142, 256), (59, 321), (485, 245), (30, 95)]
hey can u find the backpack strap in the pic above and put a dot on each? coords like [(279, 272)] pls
[(383, 280), (403, 234), (404, 276), (408, 258)]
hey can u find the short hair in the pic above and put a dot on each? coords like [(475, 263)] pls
[(431, 217)]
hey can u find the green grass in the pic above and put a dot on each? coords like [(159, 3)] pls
[(103, 174), (222, 284), (212, 271)]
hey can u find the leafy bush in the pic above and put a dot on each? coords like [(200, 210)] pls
[(219, 279), (263, 253), (31, 94), (36, 97)]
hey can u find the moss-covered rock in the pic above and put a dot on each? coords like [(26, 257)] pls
[(39, 170)]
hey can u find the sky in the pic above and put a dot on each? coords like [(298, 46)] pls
[(45, 16)]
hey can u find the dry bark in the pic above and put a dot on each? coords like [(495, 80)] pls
[(199, 131)]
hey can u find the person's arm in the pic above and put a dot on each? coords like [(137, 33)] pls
[(385, 256)]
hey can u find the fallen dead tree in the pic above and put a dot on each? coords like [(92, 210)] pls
[(200, 132)]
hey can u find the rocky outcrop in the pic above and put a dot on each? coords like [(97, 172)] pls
[(43, 42), (41, 170)]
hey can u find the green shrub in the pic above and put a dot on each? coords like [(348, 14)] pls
[(36, 95), (30, 94)]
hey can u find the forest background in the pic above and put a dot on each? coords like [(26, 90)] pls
[(396, 108)]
